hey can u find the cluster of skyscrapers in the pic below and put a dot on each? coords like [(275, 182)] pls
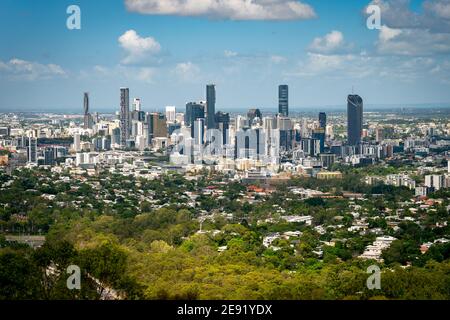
[(204, 135), (137, 128), (252, 136)]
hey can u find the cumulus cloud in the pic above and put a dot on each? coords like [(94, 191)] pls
[(138, 49), (186, 71), (226, 9), (406, 32), (230, 54), (388, 34), (434, 16), (318, 64), (366, 66), (27, 70), (397, 14), (440, 8), (412, 42), (331, 42)]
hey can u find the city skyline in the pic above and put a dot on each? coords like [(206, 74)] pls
[(225, 150), (166, 56)]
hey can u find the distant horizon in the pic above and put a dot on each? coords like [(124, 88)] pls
[(274, 110)]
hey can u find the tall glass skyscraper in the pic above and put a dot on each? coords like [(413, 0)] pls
[(323, 120), (199, 132), (194, 111), (283, 100), (211, 106), (223, 124), (31, 144), (86, 110), (124, 115), (354, 119)]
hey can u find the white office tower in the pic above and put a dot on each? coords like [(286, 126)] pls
[(329, 131), (137, 104), (179, 117), (435, 181), (284, 123), (171, 114), (199, 131), (304, 131), (250, 144), (448, 165), (182, 141), (85, 158), (79, 159), (231, 135), (141, 142), (240, 123), (106, 143), (137, 128), (77, 142), (269, 123), (272, 139), (272, 146), (141, 129)]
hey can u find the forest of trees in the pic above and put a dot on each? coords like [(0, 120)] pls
[(147, 253)]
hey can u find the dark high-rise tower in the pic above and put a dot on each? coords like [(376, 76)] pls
[(323, 120), (252, 114), (124, 115), (283, 100), (223, 124), (211, 106), (157, 126), (194, 111), (319, 134), (354, 119), (31, 144), (86, 110)]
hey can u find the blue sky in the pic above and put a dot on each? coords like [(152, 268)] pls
[(166, 54)]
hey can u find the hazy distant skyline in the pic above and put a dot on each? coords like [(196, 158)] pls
[(166, 53)]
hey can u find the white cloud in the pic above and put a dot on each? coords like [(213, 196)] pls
[(230, 54), (387, 34), (138, 49), (331, 42), (226, 9), (145, 74), (424, 32), (440, 8), (412, 42), (186, 71), (3, 66), (318, 64), (27, 70), (277, 59), (101, 70), (364, 65), (397, 14)]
